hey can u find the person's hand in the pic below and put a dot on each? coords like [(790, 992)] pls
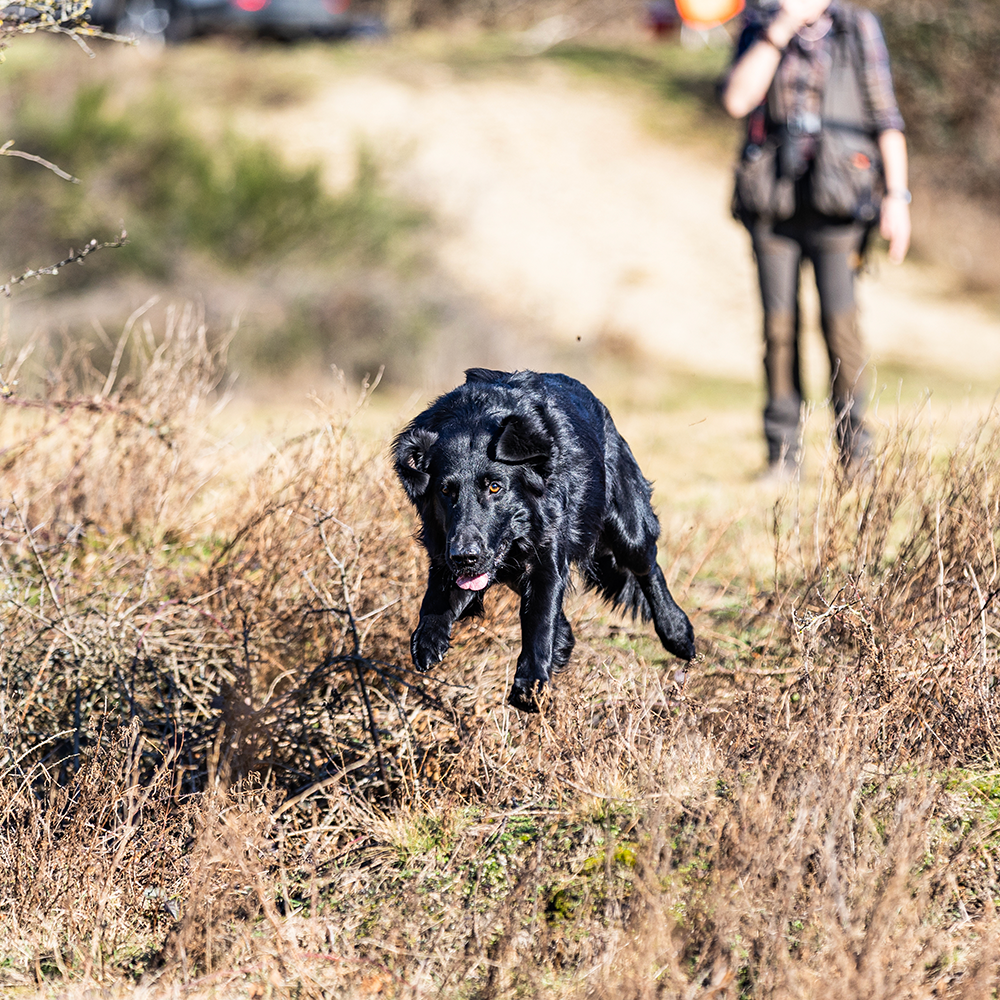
[(751, 77), (794, 14), (896, 227)]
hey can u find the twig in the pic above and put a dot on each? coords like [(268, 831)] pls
[(69, 18), (359, 664), (75, 257), (333, 779), (754, 672), (5, 150), (30, 539), (122, 341), (617, 798)]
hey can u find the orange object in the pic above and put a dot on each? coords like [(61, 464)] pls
[(708, 13)]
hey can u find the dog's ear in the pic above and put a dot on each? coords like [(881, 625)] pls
[(485, 376), (411, 451), (524, 440)]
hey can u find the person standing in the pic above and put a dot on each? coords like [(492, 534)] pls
[(825, 161)]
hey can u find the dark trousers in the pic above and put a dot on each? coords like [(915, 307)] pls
[(834, 249)]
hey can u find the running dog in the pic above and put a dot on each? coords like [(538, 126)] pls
[(516, 477)]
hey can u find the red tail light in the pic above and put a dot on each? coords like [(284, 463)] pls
[(250, 6)]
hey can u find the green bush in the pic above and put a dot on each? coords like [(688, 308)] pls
[(234, 200), (947, 77)]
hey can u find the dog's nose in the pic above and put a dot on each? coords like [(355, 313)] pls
[(465, 554)]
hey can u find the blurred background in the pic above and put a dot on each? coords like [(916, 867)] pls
[(422, 185)]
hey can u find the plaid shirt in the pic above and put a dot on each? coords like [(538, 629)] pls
[(805, 66)]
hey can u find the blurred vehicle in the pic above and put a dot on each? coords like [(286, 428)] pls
[(286, 20)]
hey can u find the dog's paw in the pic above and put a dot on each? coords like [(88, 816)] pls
[(524, 694), (679, 640), (684, 646), (430, 642)]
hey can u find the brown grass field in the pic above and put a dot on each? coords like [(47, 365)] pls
[(219, 776)]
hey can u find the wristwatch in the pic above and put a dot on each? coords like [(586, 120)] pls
[(902, 194)]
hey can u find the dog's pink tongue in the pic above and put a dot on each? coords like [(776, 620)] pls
[(473, 582)]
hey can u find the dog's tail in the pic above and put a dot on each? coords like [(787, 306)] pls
[(618, 586)]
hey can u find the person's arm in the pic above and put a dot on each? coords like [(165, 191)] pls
[(752, 74), (895, 221), (888, 123)]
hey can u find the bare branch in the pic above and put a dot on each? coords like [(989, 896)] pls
[(68, 17), (75, 257), (5, 150)]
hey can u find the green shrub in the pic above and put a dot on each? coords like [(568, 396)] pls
[(234, 200), (948, 82)]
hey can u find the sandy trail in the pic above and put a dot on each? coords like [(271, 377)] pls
[(559, 209)]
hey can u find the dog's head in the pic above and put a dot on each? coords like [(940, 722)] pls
[(476, 484)]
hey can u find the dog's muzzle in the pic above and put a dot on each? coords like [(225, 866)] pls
[(468, 559)]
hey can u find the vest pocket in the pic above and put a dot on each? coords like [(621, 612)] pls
[(761, 190), (846, 176)]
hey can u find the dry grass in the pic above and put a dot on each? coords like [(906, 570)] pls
[(221, 778)]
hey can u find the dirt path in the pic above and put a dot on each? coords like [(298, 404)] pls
[(560, 209)]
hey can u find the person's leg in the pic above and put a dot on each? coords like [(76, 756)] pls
[(834, 252), (778, 258)]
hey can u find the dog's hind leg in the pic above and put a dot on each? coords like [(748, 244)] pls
[(639, 587), (631, 530), (672, 626)]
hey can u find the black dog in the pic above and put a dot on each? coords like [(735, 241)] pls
[(516, 476)]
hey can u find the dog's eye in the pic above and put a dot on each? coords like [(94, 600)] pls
[(494, 487)]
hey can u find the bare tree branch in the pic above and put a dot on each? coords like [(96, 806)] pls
[(5, 150), (60, 17), (75, 257)]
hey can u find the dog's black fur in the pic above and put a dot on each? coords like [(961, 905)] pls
[(516, 476)]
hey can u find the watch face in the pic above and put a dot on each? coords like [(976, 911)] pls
[(708, 13)]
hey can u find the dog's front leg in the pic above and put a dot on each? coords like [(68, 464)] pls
[(441, 607), (541, 614)]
